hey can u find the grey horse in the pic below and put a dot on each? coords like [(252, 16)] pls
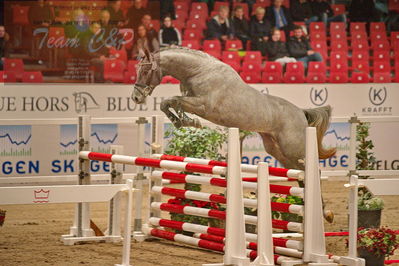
[(214, 91)]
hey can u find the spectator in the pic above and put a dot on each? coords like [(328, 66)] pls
[(4, 45), (277, 50), (323, 10), (151, 32), (110, 34), (116, 14), (143, 43), (169, 35), (220, 27), (167, 9), (301, 10), (105, 22), (362, 11), (280, 17), (300, 49), (240, 25), (135, 14), (260, 30), (94, 50)]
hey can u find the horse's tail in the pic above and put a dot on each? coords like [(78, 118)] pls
[(320, 118)]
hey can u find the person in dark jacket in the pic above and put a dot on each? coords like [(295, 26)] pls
[(301, 10), (240, 25), (323, 10), (277, 50), (299, 48), (169, 35), (259, 29), (362, 11), (280, 17), (220, 27), (151, 32), (167, 9), (4, 45), (115, 11), (135, 14)]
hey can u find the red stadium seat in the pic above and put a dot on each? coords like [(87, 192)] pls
[(181, 15), (192, 35), (202, 6), (155, 24), (114, 70), (264, 3), (295, 73), (381, 55), (130, 77), (339, 45), (128, 37), (118, 54), (198, 15), (393, 5), (231, 56), (320, 47), (233, 45), (218, 4), (32, 77), (317, 27), (357, 26), (378, 27), (271, 78), (338, 57), (337, 27), (382, 67), (360, 45), (378, 37), (179, 24), (250, 77), (195, 24), (54, 35), (395, 40), (169, 79), (272, 72), (316, 72), (360, 61), (359, 36), (15, 66), (251, 66), (339, 77), (360, 77), (192, 44), (381, 46), (7, 77), (318, 36), (339, 36), (338, 9), (212, 45), (253, 56), (234, 64), (181, 6), (20, 15), (382, 77)]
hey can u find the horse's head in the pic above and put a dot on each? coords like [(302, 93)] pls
[(148, 77)]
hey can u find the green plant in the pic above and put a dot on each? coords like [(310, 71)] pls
[(367, 202), (287, 216), (378, 241), (198, 143), (365, 160)]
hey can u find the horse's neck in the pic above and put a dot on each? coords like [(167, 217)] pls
[(180, 65)]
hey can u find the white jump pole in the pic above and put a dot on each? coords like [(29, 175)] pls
[(265, 249), (157, 136), (138, 234), (354, 121), (114, 228), (235, 246), (314, 240)]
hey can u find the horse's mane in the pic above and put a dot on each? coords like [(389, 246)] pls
[(188, 50)]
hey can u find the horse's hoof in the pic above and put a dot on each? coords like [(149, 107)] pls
[(329, 216), (178, 124)]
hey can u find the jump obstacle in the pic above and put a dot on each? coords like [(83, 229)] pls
[(235, 246)]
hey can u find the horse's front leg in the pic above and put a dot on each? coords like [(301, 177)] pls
[(165, 107), (193, 105)]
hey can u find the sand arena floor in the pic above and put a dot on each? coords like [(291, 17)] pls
[(31, 236)]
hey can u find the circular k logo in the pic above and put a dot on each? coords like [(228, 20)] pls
[(377, 96), (318, 96)]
